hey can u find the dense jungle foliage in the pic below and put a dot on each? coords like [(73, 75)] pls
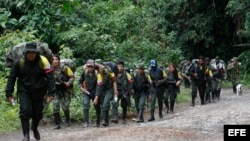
[(132, 30)]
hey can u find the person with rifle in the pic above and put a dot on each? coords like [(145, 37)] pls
[(158, 77), (198, 80), (173, 82), (64, 78), (34, 80), (218, 70), (124, 86), (141, 88), (109, 89), (90, 83)]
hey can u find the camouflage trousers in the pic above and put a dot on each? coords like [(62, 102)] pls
[(234, 82), (216, 88), (62, 98)]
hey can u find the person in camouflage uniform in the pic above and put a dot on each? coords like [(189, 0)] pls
[(234, 73), (218, 70), (109, 90), (34, 80), (124, 86), (185, 73), (158, 77), (64, 79), (141, 87)]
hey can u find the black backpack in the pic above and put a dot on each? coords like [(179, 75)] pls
[(113, 67)]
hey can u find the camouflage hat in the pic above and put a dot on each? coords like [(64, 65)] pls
[(141, 66), (217, 57), (98, 61), (31, 46), (207, 59), (234, 59)]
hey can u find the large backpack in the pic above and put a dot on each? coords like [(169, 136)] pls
[(113, 67), (17, 52), (68, 62)]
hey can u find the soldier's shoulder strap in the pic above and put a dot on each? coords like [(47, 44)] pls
[(42, 62)]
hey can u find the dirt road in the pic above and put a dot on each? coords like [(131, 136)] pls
[(198, 123)]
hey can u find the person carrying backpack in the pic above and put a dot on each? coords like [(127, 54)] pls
[(158, 77), (173, 82), (109, 90), (90, 83), (64, 78), (141, 88), (34, 80), (124, 87)]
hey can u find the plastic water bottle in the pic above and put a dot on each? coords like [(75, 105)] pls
[(13, 102), (116, 98)]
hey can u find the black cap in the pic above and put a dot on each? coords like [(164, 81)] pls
[(31, 46)]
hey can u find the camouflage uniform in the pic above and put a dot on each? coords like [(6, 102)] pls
[(62, 75), (218, 70), (234, 73), (185, 73)]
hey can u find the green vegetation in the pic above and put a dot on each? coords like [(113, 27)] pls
[(133, 30)]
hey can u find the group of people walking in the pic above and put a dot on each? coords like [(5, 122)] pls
[(205, 76), (101, 85)]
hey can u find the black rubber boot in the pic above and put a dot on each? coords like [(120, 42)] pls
[(105, 118), (193, 101), (68, 121), (34, 127), (218, 94), (115, 116), (25, 127), (140, 116), (167, 106), (234, 89), (57, 120), (172, 107), (86, 118), (98, 117), (124, 115), (152, 112)]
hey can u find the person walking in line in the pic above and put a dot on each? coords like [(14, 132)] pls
[(34, 80), (158, 77), (173, 81), (64, 79), (124, 86), (141, 89), (198, 80), (90, 83)]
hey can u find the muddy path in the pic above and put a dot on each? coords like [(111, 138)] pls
[(201, 122)]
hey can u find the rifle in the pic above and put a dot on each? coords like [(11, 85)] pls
[(125, 95)]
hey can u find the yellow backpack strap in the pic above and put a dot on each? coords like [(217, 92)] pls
[(21, 63)]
